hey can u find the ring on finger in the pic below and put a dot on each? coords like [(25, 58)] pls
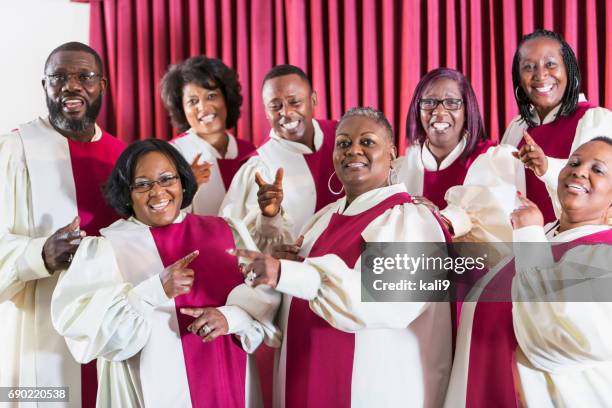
[(70, 256), (251, 276), (205, 330)]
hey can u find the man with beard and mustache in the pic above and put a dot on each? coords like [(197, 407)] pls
[(50, 197)]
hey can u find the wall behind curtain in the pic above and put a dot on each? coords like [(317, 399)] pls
[(357, 52)]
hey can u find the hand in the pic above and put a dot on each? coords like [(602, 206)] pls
[(201, 171), (527, 214), (532, 156), (264, 269), (209, 323), (289, 251), (177, 279), (270, 196), (60, 247)]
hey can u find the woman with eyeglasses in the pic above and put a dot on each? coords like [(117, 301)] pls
[(445, 134), (340, 351), (554, 119), (539, 333), (203, 97), (130, 297)]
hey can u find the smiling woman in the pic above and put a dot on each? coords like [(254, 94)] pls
[(445, 134), (148, 277), (203, 97)]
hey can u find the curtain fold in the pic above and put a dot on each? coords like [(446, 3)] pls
[(357, 52)]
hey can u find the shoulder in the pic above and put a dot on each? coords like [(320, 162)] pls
[(406, 222), (514, 131), (11, 149), (597, 116)]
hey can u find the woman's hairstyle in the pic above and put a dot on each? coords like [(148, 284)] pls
[(569, 102), (117, 187), (209, 73), (472, 125), (374, 115), (604, 139)]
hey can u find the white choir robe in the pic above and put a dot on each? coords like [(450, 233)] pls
[(37, 197), (479, 210), (402, 350), (208, 199), (132, 329), (299, 190), (564, 356)]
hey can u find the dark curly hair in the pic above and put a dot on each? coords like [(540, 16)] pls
[(374, 115), (209, 73), (569, 102), (473, 124), (117, 187)]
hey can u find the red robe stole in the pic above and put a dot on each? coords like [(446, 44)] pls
[(320, 357), (92, 163), (215, 371), (491, 376), (556, 140), (437, 182)]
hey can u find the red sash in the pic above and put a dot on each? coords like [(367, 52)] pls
[(556, 140), (491, 376), (92, 163), (229, 167), (215, 371), (320, 357), (436, 183)]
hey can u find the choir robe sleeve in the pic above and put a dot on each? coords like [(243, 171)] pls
[(250, 312), (241, 203), (97, 311), (560, 336), (334, 289), (20, 255), (479, 210)]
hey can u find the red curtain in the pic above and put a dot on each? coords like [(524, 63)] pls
[(358, 52)]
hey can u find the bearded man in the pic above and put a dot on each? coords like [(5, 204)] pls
[(50, 197)]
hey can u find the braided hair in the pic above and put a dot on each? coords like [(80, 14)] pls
[(569, 102)]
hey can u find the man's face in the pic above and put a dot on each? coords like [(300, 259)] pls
[(73, 85), (289, 104)]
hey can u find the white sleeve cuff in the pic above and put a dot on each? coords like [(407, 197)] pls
[(299, 279), (147, 295), (550, 178), (531, 248), (30, 265), (237, 319), (270, 226), (459, 219)]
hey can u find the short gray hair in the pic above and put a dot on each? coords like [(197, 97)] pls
[(373, 114)]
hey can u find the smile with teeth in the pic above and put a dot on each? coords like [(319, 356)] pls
[(208, 118), (440, 125), (544, 89), (355, 164), (290, 125), (577, 188), (160, 206), (72, 103)]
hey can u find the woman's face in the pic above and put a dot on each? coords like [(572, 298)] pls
[(162, 203), (585, 183), (543, 73), (443, 126), (362, 155), (204, 109)]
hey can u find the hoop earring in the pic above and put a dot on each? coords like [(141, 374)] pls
[(330, 187), (516, 95), (393, 177)]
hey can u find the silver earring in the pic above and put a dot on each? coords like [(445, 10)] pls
[(516, 94), (392, 178), (330, 187)]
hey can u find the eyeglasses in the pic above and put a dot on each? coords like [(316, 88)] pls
[(448, 103), (84, 78), (146, 185)]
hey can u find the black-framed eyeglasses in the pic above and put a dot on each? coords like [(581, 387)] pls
[(146, 185), (85, 78), (448, 103)]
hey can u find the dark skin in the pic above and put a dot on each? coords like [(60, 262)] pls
[(61, 246), (584, 190), (362, 157), (71, 62)]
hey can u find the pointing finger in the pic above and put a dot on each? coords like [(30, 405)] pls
[(196, 159), (278, 180), (259, 180), (186, 260), (244, 253), (193, 311), (298, 242)]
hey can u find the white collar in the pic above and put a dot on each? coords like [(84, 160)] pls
[(369, 199), (552, 115), (97, 131), (572, 234), (232, 145), (429, 160), (177, 220), (300, 147)]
